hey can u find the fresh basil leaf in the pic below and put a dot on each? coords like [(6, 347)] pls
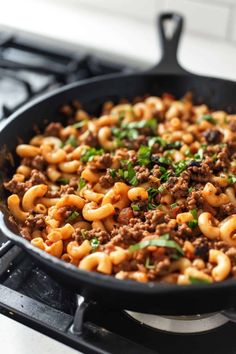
[(159, 242)]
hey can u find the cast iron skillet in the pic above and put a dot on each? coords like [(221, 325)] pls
[(168, 76)]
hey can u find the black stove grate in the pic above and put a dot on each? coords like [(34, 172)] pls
[(30, 296), (28, 69)]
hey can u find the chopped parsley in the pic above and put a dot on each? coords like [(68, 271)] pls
[(166, 145), (63, 180), (190, 189), (135, 207), (144, 153), (81, 184), (152, 192), (80, 124), (157, 140), (162, 241), (231, 179), (112, 172), (165, 174), (194, 280), (94, 243), (199, 155), (194, 213), (127, 172), (72, 216), (193, 223), (148, 264), (174, 205), (208, 118), (130, 130), (83, 234), (180, 167), (151, 206), (71, 141), (89, 154)]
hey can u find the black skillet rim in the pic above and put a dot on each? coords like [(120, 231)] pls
[(92, 278)]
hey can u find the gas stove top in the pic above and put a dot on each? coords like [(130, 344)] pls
[(30, 296)]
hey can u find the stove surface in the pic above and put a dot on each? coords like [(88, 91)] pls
[(29, 295)]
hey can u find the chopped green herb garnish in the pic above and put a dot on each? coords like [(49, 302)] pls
[(135, 207), (80, 124), (174, 205), (162, 241), (127, 172), (199, 155), (161, 189), (190, 189), (144, 153), (174, 145), (89, 154), (192, 224), (152, 192), (194, 280), (194, 213), (164, 174), (63, 180), (130, 130), (148, 264), (94, 243), (81, 184), (83, 234), (72, 216), (71, 141), (188, 153), (151, 206), (180, 167), (157, 140), (208, 118), (112, 172), (231, 179)]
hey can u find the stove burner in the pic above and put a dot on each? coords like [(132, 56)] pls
[(181, 324)]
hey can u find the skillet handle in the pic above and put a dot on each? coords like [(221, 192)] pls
[(169, 63)]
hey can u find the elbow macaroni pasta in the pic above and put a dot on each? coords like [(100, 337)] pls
[(144, 191)]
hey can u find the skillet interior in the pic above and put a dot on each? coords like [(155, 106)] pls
[(150, 298)]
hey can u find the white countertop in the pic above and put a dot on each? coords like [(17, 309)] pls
[(18, 339), (111, 37)]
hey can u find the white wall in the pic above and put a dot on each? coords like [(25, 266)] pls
[(213, 18)]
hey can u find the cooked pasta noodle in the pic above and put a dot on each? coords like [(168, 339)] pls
[(144, 191)]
